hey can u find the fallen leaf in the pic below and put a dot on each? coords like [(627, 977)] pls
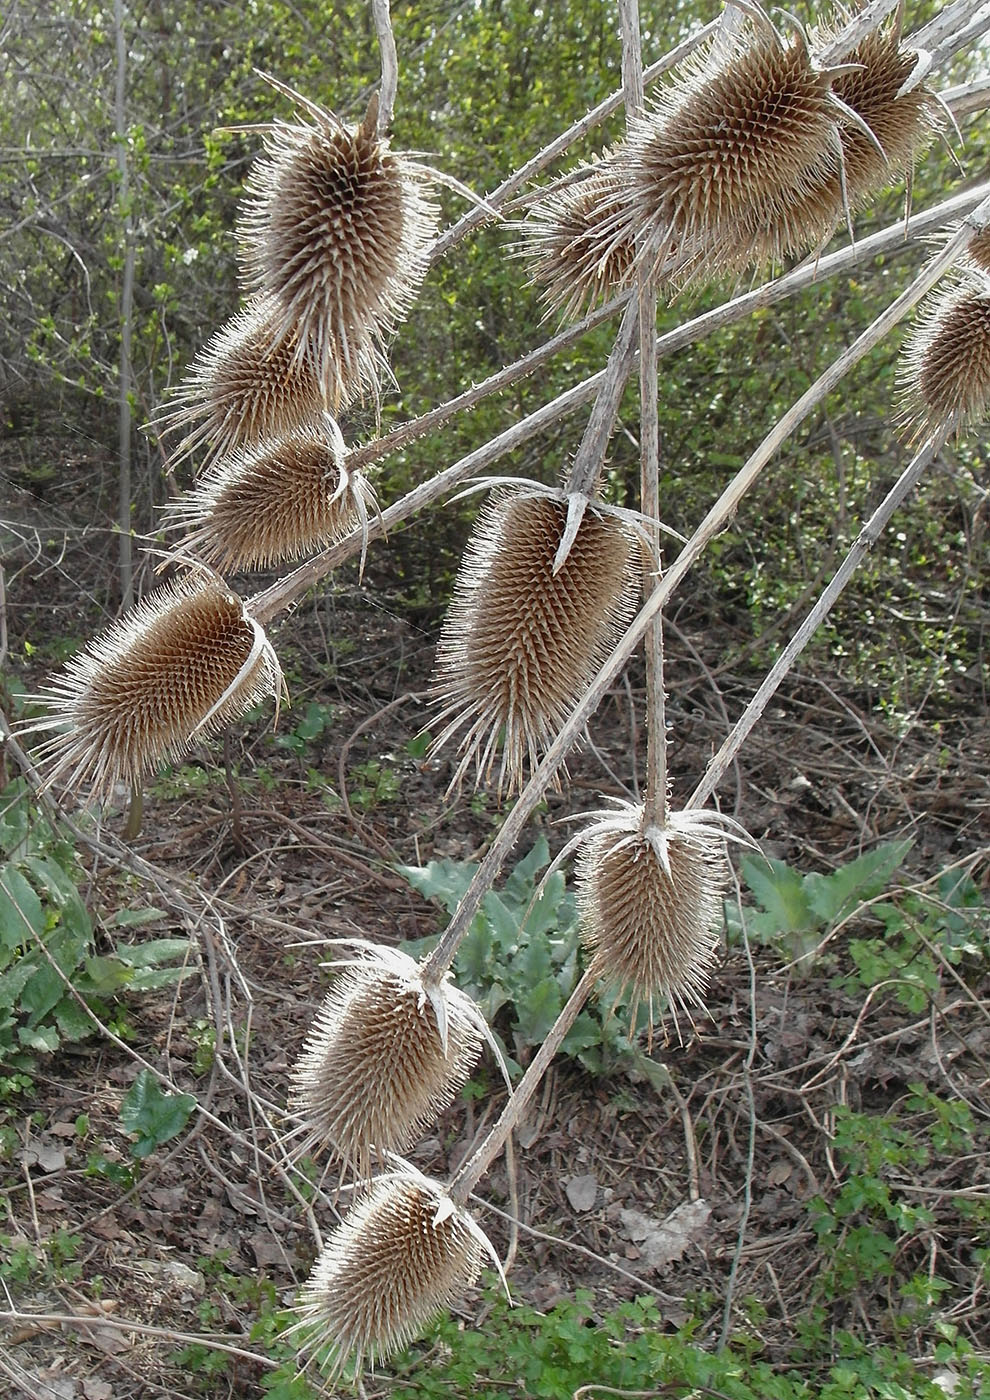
[(664, 1241), (582, 1191)]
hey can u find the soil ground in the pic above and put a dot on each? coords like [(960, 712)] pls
[(259, 866)]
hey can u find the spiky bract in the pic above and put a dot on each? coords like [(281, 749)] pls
[(403, 1254), (277, 500), (944, 372), (185, 659), (579, 246), (651, 903), (335, 228), (386, 1056), (714, 171), (520, 644), (249, 383), (978, 250)]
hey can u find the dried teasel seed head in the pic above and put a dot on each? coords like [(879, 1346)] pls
[(978, 250), (278, 500), (651, 903), (386, 1056), (187, 659), (944, 372), (747, 128), (252, 382), (335, 228), (520, 643), (578, 243), (403, 1254)]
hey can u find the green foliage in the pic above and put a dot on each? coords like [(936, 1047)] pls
[(795, 910), (309, 726), (53, 981), (521, 958), (153, 1116), (921, 930), (552, 1355), (27, 1263)]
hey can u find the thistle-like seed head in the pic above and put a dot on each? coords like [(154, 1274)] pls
[(978, 250), (944, 371), (386, 1056), (278, 500), (335, 228), (742, 133), (403, 1254), (651, 903), (253, 382), (521, 644), (578, 241), (186, 659)]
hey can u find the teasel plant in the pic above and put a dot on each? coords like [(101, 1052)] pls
[(375, 1248)]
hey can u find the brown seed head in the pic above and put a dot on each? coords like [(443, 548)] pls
[(651, 904), (336, 228), (277, 500), (379, 1066), (253, 382), (944, 373), (978, 251), (402, 1255), (186, 658), (730, 146), (578, 241), (520, 644)]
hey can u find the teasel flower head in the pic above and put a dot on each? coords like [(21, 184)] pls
[(252, 381), (387, 1054), (277, 500), (978, 250), (650, 897), (944, 371), (404, 1253), (747, 129), (577, 241), (335, 228), (526, 633), (186, 660)]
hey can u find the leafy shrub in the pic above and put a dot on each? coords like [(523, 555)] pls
[(51, 975)]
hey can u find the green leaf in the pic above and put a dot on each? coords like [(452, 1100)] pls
[(72, 1020), (153, 953), (834, 896), (45, 1038), (61, 890), (104, 976), (21, 913), (153, 1116), (537, 1009), (780, 890), (133, 918)]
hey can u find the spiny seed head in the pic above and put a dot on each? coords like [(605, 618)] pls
[(403, 1254), (252, 381), (335, 228), (978, 250), (578, 241), (278, 500), (944, 371), (187, 658), (386, 1056), (651, 903), (520, 644), (745, 130)]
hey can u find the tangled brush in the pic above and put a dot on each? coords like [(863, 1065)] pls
[(186, 660), (521, 643)]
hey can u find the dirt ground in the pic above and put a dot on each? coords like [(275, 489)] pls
[(257, 865)]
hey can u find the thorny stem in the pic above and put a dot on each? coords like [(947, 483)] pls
[(865, 541), (390, 64), (466, 1178), (282, 594), (715, 521), (590, 455)]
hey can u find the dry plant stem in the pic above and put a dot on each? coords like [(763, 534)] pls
[(390, 64), (591, 453), (865, 541), (858, 28), (477, 216), (466, 1178), (269, 603), (953, 28), (717, 518), (967, 97)]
